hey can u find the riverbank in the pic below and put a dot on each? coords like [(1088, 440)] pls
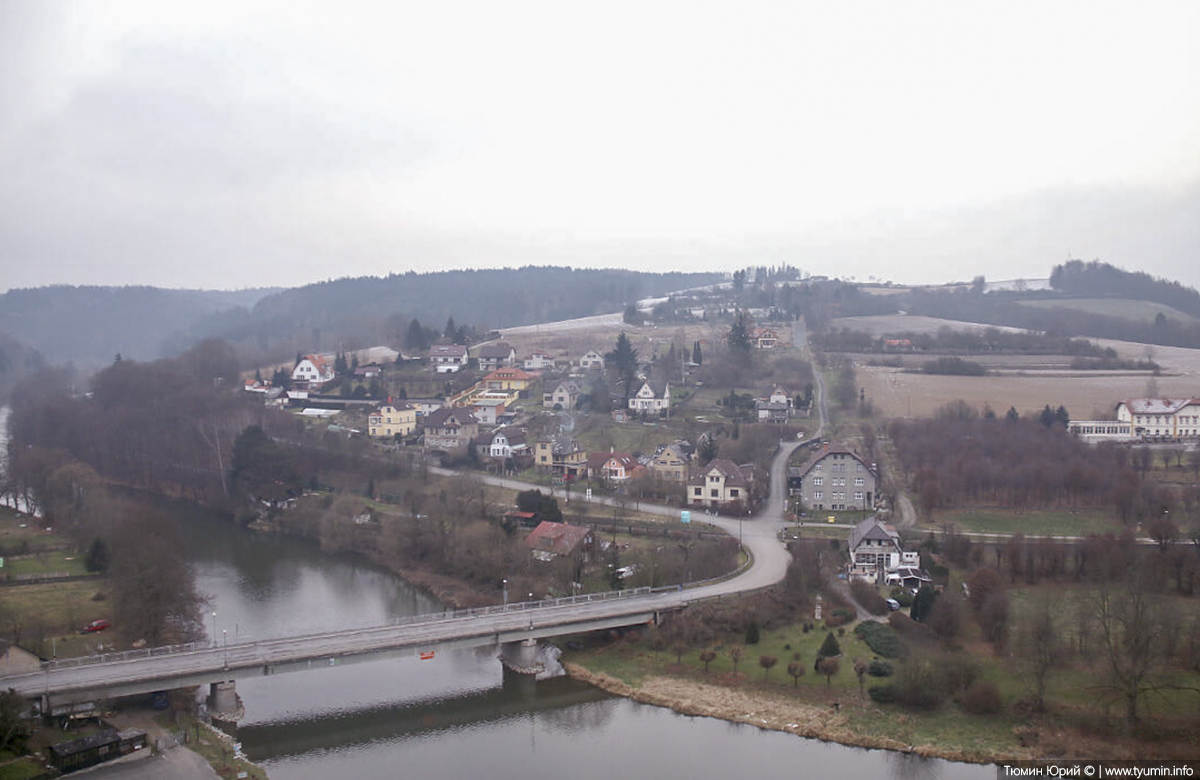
[(766, 711)]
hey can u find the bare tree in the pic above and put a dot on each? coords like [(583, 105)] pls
[(828, 667), (708, 656), (1135, 640), (796, 670), (1042, 646), (735, 655), (766, 662)]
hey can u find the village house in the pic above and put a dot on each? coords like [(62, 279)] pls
[(447, 358), (488, 409), (651, 398), (508, 379), (776, 407), (670, 462), (498, 355), (722, 484), (834, 478), (876, 556), (592, 360), (614, 466), (508, 443), (564, 396), (562, 455), (311, 372), (369, 371), (392, 420), (538, 361), (561, 540), (450, 430), (764, 338), (426, 406)]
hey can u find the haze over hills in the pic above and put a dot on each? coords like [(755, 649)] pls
[(91, 325)]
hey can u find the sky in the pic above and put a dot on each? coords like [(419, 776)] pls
[(227, 145)]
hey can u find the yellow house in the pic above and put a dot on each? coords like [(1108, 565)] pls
[(391, 420), (508, 379)]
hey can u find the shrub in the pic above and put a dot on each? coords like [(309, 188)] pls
[(866, 595), (880, 638), (983, 698), (957, 673), (878, 668), (903, 596), (919, 684), (882, 694), (752, 633)]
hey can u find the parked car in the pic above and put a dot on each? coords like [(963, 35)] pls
[(893, 605), (94, 626)]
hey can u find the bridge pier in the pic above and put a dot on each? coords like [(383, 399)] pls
[(223, 701), (522, 657)]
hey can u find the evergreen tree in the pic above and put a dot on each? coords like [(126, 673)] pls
[(922, 603), (738, 337), (624, 360), (415, 338), (697, 358), (451, 331), (830, 647)]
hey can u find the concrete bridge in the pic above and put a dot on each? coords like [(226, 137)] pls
[(513, 629)]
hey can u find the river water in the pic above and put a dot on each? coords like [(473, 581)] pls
[(455, 716)]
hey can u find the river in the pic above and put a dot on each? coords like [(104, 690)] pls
[(454, 716)]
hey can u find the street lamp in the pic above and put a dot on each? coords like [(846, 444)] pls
[(225, 642), (214, 633), (505, 592)]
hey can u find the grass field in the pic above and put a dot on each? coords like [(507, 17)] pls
[(1114, 307), (1040, 522)]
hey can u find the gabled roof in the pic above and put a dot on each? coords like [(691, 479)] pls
[(874, 530), (557, 538), (448, 350), (657, 388), (735, 475), (440, 417), (832, 448), (1157, 405), (497, 351), (509, 373), (563, 445), (513, 437)]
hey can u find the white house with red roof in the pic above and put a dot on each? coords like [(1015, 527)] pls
[(313, 371)]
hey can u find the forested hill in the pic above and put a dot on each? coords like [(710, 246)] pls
[(1103, 280), (372, 310), (91, 325)]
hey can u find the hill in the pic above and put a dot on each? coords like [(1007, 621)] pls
[(90, 325)]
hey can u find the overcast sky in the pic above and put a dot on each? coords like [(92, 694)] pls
[(225, 145)]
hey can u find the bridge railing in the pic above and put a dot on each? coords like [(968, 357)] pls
[(429, 617)]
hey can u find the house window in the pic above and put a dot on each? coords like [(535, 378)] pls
[(817, 467), (714, 493), (817, 495), (859, 482), (858, 496), (818, 480), (697, 492), (733, 493)]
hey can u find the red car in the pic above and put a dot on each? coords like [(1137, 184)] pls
[(95, 625)]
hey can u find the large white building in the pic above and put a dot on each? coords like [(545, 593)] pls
[(1144, 418)]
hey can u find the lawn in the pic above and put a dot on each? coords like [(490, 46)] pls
[(55, 610), (1039, 522), (52, 562), (20, 534)]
